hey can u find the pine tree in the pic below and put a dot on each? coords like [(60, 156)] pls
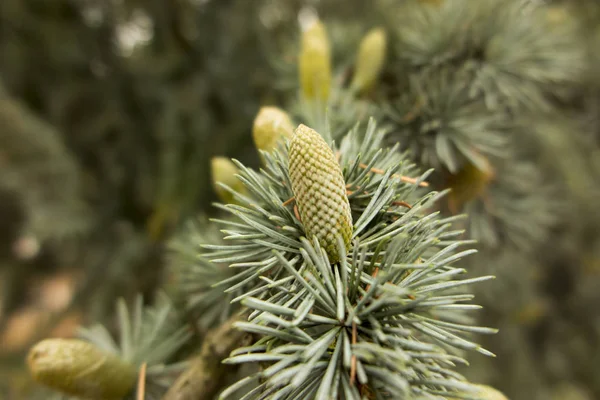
[(351, 291), (410, 152)]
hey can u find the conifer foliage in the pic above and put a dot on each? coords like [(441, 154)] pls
[(353, 290), (342, 264)]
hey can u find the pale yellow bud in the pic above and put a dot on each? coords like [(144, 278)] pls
[(557, 14), (484, 392), (270, 125), (532, 312), (569, 391), (432, 2), (315, 63), (224, 171), (78, 368), (489, 393), (469, 183), (370, 60)]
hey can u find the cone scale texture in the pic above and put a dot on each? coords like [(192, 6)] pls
[(319, 190)]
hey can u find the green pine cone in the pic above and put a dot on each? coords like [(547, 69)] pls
[(370, 60), (319, 190), (79, 368), (315, 63), (489, 393), (224, 171), (270, 125), (485, 392)]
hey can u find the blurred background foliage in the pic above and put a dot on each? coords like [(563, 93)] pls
[(110, 112)]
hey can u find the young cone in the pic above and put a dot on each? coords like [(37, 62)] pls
[(432, 2), (315, 63), (489, 393), (270, 125), (79, 368), (224, 171), (469, 183), (484, 392), (319, 190), (370, 59)]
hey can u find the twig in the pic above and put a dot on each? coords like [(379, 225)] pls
[(414, 111), (288, 201), (403, 178), (141, 387), (206, 375), (403, 204)]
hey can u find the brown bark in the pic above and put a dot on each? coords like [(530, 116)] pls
[(206, 375)]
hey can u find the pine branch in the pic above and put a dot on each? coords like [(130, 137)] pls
[(383, 313), (206, 375), (193, 278), (149, 337)]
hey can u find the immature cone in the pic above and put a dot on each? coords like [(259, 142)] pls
[(78, 368), (489, 393), (370, 59), (569, 391), (270, 125), (315, 63), (486, 393), (557, 14), (319, 190), (224, 171), (468, 184), (433, 2)]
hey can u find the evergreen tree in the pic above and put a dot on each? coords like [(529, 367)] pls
[(408, 151)]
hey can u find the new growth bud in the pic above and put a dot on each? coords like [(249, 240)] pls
[(315, 63), (319, 190), (432, 2), (270, 125), (489, 393), (469, 183), (78, 368), (484, 392), (370, 59), (224, 171)]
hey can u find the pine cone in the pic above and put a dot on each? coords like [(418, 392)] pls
[(469, 183), (315, 63), (79, 368), (489, 393), (224, 171), (370, 59), (319, 190), (270, 125), (433, 2)]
